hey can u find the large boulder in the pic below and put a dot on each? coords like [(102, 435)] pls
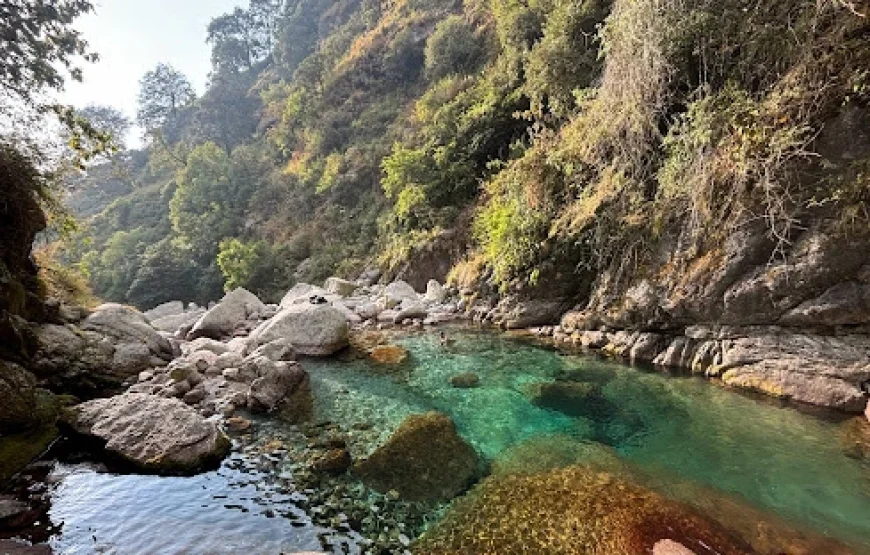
[(398, 292), (435, 292), (301, 293), (112, 345), (424, 460), (153, 433), (236, 307), (314, 330), (338, 286), (126, 325), (573, 510), (176, 322), (172, 308)]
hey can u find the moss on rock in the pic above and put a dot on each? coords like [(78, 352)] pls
[(569, 511), (424, 460)]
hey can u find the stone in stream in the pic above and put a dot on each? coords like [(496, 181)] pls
[(277, 381), (398, 292), (314, 330), (333, 461), (467, 380), (153, 433), (388, 354), (572, 510), (424, 460)]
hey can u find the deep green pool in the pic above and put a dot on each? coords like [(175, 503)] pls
[(774, 457)]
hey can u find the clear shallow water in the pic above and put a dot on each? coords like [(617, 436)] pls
[(777, 458), (231, 510), (678, 430)]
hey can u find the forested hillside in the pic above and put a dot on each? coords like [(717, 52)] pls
[(543, 148)]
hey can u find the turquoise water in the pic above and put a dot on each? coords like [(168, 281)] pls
[(685, 436), (773, 457)]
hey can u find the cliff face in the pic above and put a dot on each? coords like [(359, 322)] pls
[(22, 218), (784, 317)]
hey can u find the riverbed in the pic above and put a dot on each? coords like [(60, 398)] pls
[(684, 436)]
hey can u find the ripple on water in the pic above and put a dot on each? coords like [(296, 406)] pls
[(218, 512)]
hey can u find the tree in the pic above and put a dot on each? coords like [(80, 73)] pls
[(38, 44), (107, 120), (226, 113), (452, 48), (39, 49), (244, 37), (164, 92)]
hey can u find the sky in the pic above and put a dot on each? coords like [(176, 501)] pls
[(132, 36)]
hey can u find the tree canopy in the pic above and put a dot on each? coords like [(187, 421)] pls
[(163, 93)]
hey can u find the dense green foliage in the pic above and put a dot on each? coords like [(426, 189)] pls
[(340, 133)]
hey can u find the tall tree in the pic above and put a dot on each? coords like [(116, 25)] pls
[(107, 120), (164, 92), (243, 37)]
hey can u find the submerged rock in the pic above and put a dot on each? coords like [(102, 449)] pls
[(465, 381), (154, 433), (315, 330), (389, 354), (334, 461), (573, 398), (569, 511), (424, 460)]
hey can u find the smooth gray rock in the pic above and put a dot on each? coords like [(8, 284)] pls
[(154, 433), (172, 308), (206, 344), (176, 322), (338, 286), (234, 309), (279, 349), (300, 293), (316, 330), (410, 310), (124, 324), (397, 292), (435, 292)]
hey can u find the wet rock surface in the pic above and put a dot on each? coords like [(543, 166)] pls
[(571, 510), (151, 432), (424, 460)]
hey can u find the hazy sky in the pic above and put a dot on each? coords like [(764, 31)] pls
[(132, 36)]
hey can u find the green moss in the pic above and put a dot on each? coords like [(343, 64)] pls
[(569, 511), (17, 451), (424, 460)]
